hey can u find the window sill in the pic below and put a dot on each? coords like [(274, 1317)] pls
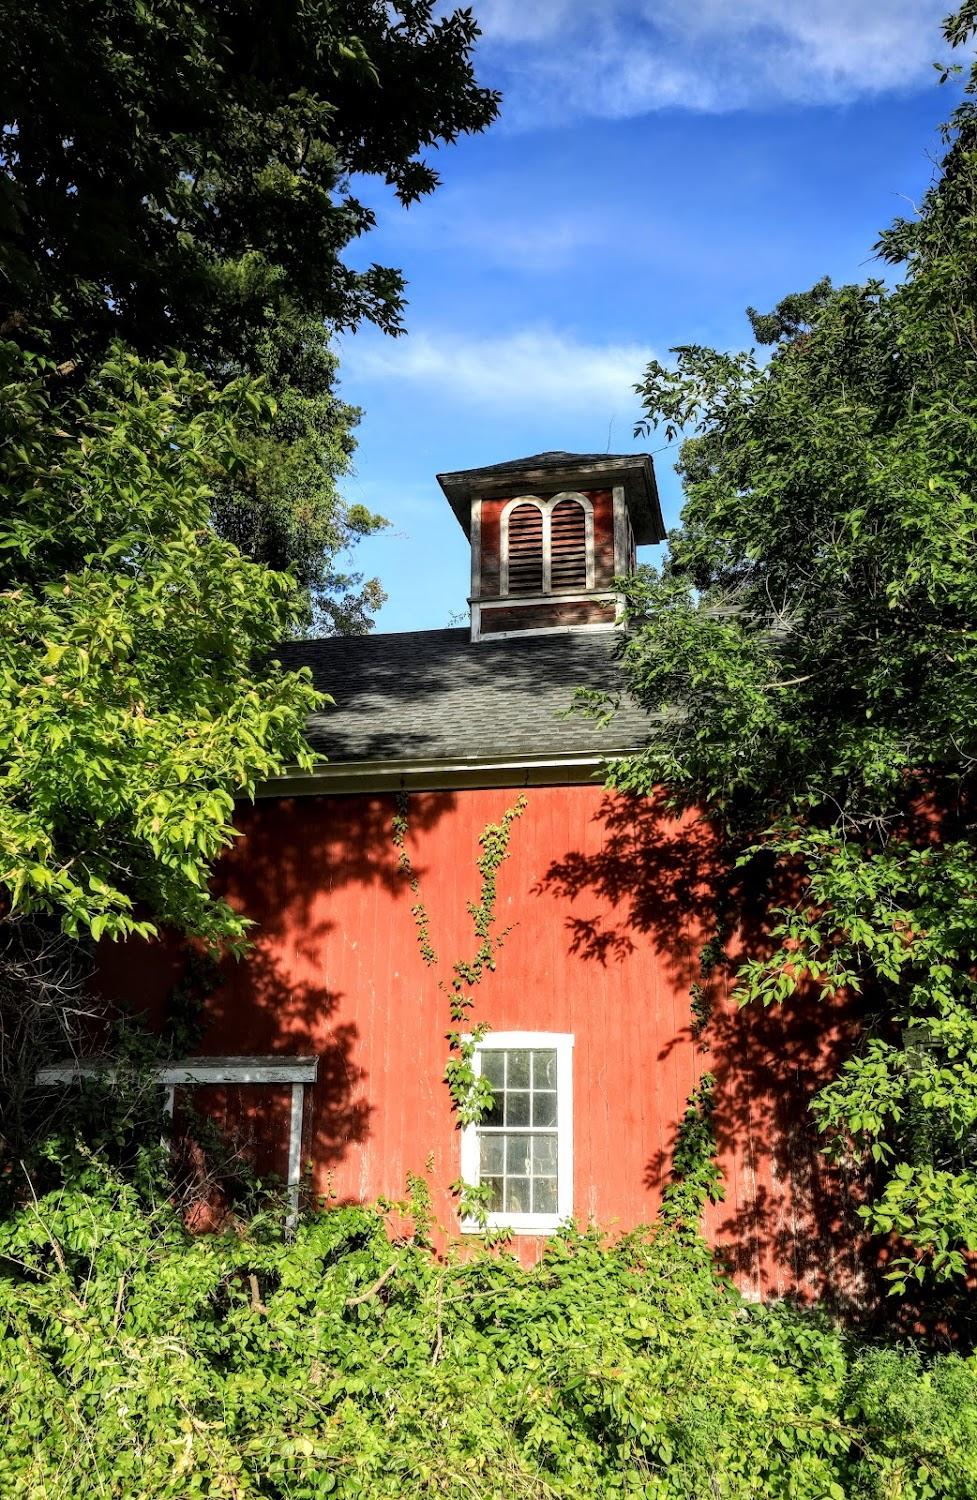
[(517, 1223)]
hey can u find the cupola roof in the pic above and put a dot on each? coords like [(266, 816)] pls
[(559, 471)]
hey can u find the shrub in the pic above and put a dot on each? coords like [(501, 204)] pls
[(140, 1361)]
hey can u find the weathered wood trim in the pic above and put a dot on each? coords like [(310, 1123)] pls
[(192, 1070), (517, 635), (560, 612), (620, 532), (588, 511), (520, 601), (476, 534), (197, 1071), (504, 540), (295, 1122), (546, 507)]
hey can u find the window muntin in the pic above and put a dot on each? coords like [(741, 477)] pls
[(518, 1140), (523, 1148)]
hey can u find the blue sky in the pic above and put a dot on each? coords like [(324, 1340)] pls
[(659, 166)]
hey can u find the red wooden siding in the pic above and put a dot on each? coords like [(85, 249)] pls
[(608, 901), (490, 551), (604, 569), (495, 619)]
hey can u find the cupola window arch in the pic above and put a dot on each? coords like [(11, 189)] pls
[(547, 546)]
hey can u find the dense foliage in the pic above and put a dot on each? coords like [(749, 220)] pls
[(170, 172), (809, 651), (284, 506), (139, 1361), (132, 705), (179, 177)]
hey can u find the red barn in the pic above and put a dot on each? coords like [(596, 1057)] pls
[(360, 874)]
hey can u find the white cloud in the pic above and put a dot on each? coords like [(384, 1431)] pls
[(516, 241), (480, 218), (531, 369), (617, 58)]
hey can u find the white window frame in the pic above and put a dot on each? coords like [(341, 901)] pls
[(546, 507), (562, 1044)]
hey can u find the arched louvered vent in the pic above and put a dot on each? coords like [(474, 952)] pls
[(568, 541), (526, 550)]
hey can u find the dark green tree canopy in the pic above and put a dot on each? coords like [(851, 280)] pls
[(169, 171), (284, 508), (180, 176)]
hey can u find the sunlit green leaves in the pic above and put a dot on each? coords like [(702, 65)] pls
[(133, 708), (139, 1360)]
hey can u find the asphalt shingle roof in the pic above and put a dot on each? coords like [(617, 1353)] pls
[(435, 694)]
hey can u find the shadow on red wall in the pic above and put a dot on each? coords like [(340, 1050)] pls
[(283, 870), (788, 1225)]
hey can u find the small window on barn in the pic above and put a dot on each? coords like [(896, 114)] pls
[(522, 550), (568, 545), (522, 1150)]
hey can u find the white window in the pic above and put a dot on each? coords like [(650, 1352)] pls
[(523, 1148)]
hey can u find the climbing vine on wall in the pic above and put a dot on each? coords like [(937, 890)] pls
[(471, 1094), (696, 1177), (418, 909)]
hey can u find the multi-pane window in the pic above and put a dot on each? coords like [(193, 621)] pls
[(518, 1140), (522, 1148)]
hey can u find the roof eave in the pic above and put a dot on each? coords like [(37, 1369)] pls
[(437, 773), (634, 472)]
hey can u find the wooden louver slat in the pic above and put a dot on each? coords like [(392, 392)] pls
[(568, 542), (526, 550)]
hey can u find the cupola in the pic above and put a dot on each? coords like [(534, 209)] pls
[(549, 535)]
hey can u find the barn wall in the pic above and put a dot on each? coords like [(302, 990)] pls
[(608, 902)]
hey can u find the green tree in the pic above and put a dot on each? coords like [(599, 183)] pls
[(284, 507), (170, 172), (809, 651), (181, 176), (175, 203), (137, 693)]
